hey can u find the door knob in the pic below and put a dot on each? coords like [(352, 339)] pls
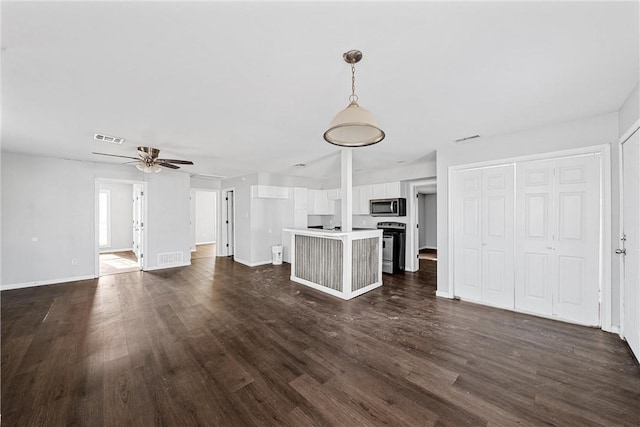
[(621, 251)]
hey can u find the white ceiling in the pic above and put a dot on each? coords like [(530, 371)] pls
[(241, 87)]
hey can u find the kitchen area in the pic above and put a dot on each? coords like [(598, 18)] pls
[(348, 263)]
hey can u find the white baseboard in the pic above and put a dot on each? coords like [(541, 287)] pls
[(108, 251), (45, 282), (164, 267), (251, 264), (612, 328), (443, 295), (205, 243)]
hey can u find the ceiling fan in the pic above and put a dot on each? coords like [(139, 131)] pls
[(148, 161)]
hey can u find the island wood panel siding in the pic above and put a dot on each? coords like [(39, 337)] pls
[(365, 254), (319, 260)]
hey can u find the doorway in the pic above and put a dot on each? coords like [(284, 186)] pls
[(427, 230), (204, 223), (630, 241), (120, 213), (422, 232)]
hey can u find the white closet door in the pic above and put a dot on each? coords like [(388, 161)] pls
[(534, 250), (577, 237), (558, 238), (497, 236), (468, 235)]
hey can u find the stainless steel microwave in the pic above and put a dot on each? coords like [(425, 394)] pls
[(388, 207)]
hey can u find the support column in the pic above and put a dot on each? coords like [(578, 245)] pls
[(346, 178)]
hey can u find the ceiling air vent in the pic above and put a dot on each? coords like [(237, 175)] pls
[(208, 176), (467, 139), (107, 138)]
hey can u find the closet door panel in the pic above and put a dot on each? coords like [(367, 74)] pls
[(534, 250), (467, 235), (497, 236), (577, 281)]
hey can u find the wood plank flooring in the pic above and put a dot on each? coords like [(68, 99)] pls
[(222, 344)]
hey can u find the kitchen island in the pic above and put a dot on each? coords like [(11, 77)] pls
[(340, 263)]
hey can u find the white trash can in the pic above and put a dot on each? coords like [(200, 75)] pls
[(276, 252)]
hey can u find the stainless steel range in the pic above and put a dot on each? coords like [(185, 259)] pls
[(393, 246)]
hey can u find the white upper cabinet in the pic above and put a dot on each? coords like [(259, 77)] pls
[(334, 194), (363, 194), (387, 190), (360, 197), (321, 202), (318, 203), (269, 192)]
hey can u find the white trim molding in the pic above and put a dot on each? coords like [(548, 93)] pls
[(251, 264), (168, 266), (46, 282)]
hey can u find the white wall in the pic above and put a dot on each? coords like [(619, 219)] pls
[(424, 169), (266, 228), (47, 219), (53, 201), (121, 216), (580, 133), (167, 228), (205, 217), (205, 184), (629, 111)]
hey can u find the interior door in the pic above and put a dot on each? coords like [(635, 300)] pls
[(558, 238), (138, 222), (631, 226), (497, 236), (576, 246), (468, 235), (229, 223), (534, 257)]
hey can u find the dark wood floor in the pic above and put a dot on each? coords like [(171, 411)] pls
[(222, 344)]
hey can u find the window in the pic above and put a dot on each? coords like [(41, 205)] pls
[(104, 218)]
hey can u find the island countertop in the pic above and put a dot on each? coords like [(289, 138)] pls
[(334, 233)]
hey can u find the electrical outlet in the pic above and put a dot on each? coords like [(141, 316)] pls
[(74, 261)]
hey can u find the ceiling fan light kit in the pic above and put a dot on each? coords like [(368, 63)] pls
[(148, 168), (354, 126)]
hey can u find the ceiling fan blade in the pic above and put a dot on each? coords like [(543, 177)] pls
[(115, 155), (168, 165), (178, 162)]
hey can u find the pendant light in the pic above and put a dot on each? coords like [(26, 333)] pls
[(354, 126)]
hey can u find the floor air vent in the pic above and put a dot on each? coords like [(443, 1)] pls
[(170, 258)]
